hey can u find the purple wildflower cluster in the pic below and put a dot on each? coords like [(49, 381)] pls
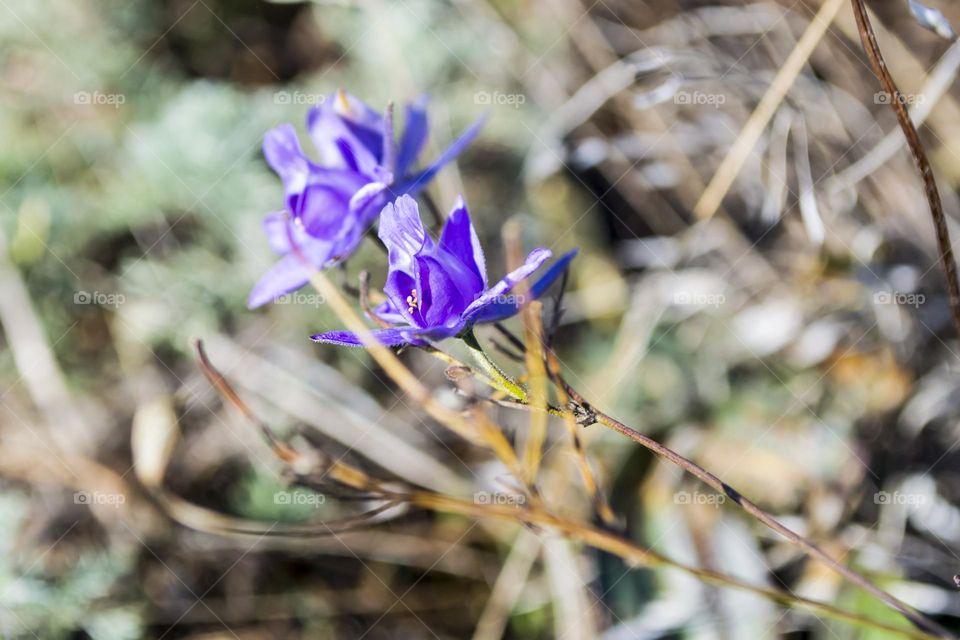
[(434, 289)]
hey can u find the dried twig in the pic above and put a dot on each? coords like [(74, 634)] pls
[(600, 502), (283, 451), (592, 415), (640, 556), (534, 513), (869, 40), (537, 389), (726, 173), (587, 414), (364, 279)]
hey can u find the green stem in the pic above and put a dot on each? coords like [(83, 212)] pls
[(503, 381)]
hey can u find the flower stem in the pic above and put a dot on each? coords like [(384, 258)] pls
[(503, 381)]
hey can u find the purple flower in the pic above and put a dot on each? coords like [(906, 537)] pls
[(331, 204), (436, 290)]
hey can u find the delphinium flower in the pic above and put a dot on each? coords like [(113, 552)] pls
[(437, 290), (330, 204)]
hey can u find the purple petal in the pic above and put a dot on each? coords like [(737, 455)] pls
[(504, 309), (364, 202), (386, 337), (285, 276), (417, 182), (399, 285), (556, 269), (414, 136), (442, 332), (388, 312), (275, 226), (440, 292), (340, 130), (289, 274), (356, 219), (460, 238), (281, 148), (360, 119), (402, 232), (346, 150), (323, 211), (369, 169), (338, 179), (371, 138), (497, 291), (336, 202)]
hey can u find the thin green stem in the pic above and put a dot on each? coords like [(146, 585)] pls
[(503, 381)]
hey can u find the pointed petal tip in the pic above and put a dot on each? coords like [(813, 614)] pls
[(418, 181), (282, 151), (407, 200), (539, 255), (387, 337), (460, 209), (256, 299), (340, 338)]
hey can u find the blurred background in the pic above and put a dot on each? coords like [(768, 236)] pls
[(797, 342)]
